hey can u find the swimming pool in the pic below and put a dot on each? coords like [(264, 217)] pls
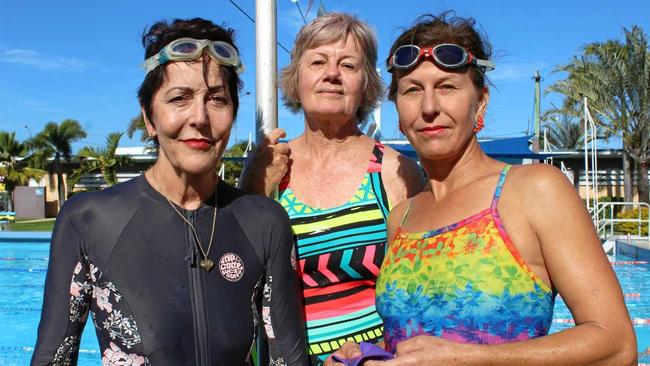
[(22, 275)]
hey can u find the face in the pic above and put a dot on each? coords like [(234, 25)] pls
[(437, 110), (192, 120), (330, 80)]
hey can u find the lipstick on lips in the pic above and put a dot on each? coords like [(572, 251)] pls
[(432, 130), (197, 143)]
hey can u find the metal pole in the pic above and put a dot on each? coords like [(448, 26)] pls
[(586, 149), (266, 98), (266, 69), (536, 108)]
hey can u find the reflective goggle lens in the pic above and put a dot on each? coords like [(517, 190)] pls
[(189, 48), (406, 56), (450, 55), (222, 51), (185, 48), (446, 55)]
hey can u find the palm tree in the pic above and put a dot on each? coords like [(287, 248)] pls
[(563, 130), (102, 159), (12, 170), (137, 124), (56, 139), (615, 78)]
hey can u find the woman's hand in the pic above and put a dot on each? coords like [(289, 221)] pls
[(425, 350), (347, 350), (266, 167)]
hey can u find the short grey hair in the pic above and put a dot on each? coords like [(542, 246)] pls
[(328, 29)]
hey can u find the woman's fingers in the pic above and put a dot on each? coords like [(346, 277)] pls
[(274, 136), (347, 350)]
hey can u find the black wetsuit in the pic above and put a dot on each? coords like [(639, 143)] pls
[(126, 256)]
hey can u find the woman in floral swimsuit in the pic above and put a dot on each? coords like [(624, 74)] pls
[(175, 266), (476, 259)]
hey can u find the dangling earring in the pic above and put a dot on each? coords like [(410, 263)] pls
[(479, 124), (399, 125)]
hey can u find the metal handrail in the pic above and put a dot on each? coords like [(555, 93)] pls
[(608, 220)]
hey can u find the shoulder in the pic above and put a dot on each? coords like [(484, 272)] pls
[(252, 207), (400, 165), (402, 176), (98, 216), (543, 192), (103, 201), (538, 179)]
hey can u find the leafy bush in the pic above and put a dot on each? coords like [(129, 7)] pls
[(632, 227)]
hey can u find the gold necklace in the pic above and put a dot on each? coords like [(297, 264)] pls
[(206, 263)]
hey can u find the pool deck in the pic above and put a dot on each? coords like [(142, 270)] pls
[(25, 236)]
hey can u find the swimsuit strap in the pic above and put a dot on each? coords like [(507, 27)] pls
[(377, 158), (406, 212), (499, 188)]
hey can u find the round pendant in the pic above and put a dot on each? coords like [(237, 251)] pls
[(206, 264)]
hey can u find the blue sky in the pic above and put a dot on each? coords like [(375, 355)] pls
[(80, 59)]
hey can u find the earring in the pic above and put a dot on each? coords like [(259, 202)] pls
[(479, 124), (399, 125)]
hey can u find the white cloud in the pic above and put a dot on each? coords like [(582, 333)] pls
[(34, 59)]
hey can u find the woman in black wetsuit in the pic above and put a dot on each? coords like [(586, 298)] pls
[(175, 266)]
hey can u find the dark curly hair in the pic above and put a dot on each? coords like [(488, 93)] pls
[(431, 30), (160, 34)]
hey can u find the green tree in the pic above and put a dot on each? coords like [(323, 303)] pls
[(233, 168), (615, 78), (101, 159), (56, 140), (137, 124), (13, 170), (563, 131)]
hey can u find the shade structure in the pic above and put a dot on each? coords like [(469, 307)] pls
[(513, 148)]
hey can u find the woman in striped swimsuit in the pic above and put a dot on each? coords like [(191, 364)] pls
[(336, 183), (476, 259)]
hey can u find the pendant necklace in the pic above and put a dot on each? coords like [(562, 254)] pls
[(206, 263)]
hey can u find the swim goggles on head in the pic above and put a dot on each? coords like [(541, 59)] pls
[(185, 49), (446, 55)]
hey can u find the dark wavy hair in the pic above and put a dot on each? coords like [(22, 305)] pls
[(160, 34), (431, 30)]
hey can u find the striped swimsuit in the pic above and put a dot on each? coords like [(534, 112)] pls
[(465, 282), (340, 250)]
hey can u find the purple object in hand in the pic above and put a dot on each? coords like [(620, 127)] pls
[(368, 352)]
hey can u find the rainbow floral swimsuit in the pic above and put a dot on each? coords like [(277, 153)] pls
[(465, 282)]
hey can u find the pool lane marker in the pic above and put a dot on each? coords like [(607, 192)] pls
[(622, 263), (635, 321)]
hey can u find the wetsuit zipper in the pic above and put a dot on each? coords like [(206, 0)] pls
[(197, 297)]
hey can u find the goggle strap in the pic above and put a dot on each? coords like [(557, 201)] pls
[(488, 65), (150, 64)]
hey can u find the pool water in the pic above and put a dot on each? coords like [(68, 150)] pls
[(22, 277), (634, 277)]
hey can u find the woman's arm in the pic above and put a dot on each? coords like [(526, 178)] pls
[(68, 293), (578, 269), (267, 165), (282, 311)]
